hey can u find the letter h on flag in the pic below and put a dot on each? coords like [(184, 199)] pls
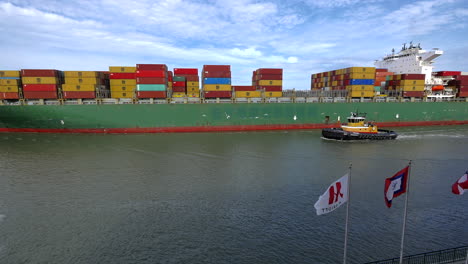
[(335, 196), (395, 186)]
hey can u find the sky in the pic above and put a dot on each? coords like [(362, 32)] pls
[(301, 36)]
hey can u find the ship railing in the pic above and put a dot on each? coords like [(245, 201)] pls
[(451, 255)]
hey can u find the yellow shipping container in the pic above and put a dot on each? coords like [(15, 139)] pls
[(360, 69), (273, 94), (241, 94), (10, 82), (179, 95), (122, 94), (122, 69), (122, 82), (193, 84), (10, 74), (79, 87), (95, 81), (217, 87), (9, 89), (361, 93), (407, 88), (270, 82), (360, 87), (412, 82), (81, 74), (361, 75), (122, 88), (334, 83), (193, 89), (40, 80), (193, 94)]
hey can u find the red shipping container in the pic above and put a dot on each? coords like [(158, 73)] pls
[(218, 94), (413, 94), (216, 68), (269, 77), (39, 95), (122, 75), (447, 73), (151, 80), (179, 89), (381, 70), (413, 76), (216, 74), (151, 94), (39, 73), (40, 88), (239, 88), (161, 74), (179, 84), (151, 67), (270, 71), (169, 76), (14, 95), (463, 88), (270, 88), (79, 95), (462, 78), (325, 74), (188, 71)]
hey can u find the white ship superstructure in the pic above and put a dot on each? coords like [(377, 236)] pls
[(411, 59)]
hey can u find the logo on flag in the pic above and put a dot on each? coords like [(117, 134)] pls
[(334, 197), (395, 186), (461, 185)]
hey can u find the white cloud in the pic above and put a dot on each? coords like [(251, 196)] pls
[(247, 53), (292, 60)]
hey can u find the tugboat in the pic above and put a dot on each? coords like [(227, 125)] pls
[(357, 129)]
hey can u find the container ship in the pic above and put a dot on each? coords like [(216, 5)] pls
[(402, 90)]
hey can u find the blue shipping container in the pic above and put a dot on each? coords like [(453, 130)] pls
[(217, 80), (10, 78), (361, 82)]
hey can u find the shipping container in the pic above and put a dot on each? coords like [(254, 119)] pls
[(270, 82), (359, 82), (412, 82), (151, 80), (160, 74), (243, 88), (447, 73), (178, 79), (217, 94), (462, 94), (217, 87), (381, 70), (360, 69), (412, 76), (123, 82), (151, 87), (217, 68), (270, 88), (193, 94), (10, 82), (40, 80), (123, 88), (82, 74), (15, 74), (151, 67), (9, 88), (128, 69), (72, 80), (154, 94), (216, 80), (269, 77), (197, 84), (248, 94), (192, 89), (122, 75), (79, 87), (360, 87), (39, 95), (269, 71), (40, 88), (9, 95), (216, 74), (361, 93), (359, 75), (411, 87), (39, 73), (179, 89), (122, 94), (188, 71), (79, 94), (273, 94), (179, 84), (179, 94), (412, 94)]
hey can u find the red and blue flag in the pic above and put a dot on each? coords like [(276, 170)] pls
[(395, 186)]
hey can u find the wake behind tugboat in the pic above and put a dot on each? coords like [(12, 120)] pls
[(358, 129)]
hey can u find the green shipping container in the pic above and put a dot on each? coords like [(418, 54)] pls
[(377, 88), (178, 79), (151, 87)]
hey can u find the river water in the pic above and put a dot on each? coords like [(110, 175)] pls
[(224, 197)]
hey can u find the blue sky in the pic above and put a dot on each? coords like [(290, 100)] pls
[(300, 36)]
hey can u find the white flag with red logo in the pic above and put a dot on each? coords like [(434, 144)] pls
[(461, 185), (334, 197)]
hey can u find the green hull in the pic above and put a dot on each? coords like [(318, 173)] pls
[(123, 118)]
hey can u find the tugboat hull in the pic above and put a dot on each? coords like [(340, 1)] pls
[(339, 134)]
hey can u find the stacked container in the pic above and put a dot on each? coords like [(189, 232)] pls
[(151, 80), (122, 81), (358, 81), (460, 84), (192, 81), (381, 79), (170, 80), (216, 81), (246, 91), (83, 84), (270, 81), (408, 85), (40, 84), (10, 84), (179, 86)]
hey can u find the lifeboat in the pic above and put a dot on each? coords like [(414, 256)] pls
[(358, 129)]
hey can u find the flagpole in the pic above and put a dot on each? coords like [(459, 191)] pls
[(404, 216), (347, 215)]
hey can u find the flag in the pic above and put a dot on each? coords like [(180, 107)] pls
[(334, 197), (395, 186), (461, 185)]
